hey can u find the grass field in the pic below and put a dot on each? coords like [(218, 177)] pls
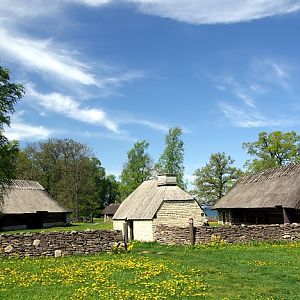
[(151, 271), (97, 224)]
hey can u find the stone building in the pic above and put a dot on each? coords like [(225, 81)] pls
[(268, 197), (28, 205), (157, 201)]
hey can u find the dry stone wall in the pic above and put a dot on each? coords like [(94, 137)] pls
[(58, 243), (231, 234)]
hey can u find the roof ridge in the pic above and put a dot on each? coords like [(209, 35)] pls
[(271, 173), (23, 184)]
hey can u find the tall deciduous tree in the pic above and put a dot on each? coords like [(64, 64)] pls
[(136, 169), (10, 93), (67, 170), (109, 190), (272, 150), (171, 160), (215, 178)]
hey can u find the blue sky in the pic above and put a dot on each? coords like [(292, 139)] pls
[(109, 73)]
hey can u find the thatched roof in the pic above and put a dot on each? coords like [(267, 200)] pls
[(145, 201), (26, 196), (266, 189), (110, 209)]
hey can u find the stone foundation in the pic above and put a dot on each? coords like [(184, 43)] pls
[(58, 243), (230, 234)]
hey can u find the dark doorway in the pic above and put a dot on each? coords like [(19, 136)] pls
[(130, 225)]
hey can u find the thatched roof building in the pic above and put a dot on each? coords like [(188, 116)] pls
[(28, 205), (157, 201), (109, 211), (270, 196)]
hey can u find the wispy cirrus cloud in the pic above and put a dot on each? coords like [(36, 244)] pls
[(69, 107), (272, 71), (248, 96), (25, 131), (46, 58), (21, 130), (92, 2), (42, 56), (49, 58), (156, 126), (118, 137), (245, 118), (245, 98)]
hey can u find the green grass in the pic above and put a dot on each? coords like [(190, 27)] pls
[(97, 224), (151, 271)]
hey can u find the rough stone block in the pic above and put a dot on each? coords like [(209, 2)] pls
[(9, 249), (57, 253), (36, 243)]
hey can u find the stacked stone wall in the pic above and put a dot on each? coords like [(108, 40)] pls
[(58, 243), (230, 234)]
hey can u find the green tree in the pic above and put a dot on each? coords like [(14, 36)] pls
[(171, 160), (136, 169), (67, 170), (10, 93), (109, 191), (272, 150), (215, 178)]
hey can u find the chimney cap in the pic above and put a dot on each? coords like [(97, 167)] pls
[(166, 179)]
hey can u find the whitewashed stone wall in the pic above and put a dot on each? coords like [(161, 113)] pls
[(118, 225), (171, 213), (143, 230), (178, 213)]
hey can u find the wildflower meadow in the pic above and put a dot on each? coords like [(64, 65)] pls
[(152, 271)]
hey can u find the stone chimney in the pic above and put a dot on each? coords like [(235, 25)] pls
[(166, 179)]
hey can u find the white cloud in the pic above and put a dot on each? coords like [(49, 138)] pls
[(217, 11), (156, 126), (280, 70), (272, 71), (92, 2), (113, 136), (42, 56), (70, 108), (16, 10), (239, 117), (22, 131), (192, 11), (245, 98), (209, 12)]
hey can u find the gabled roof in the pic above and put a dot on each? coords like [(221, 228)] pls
[(144, 202), (266, 189), (26, 196), (110, 209)]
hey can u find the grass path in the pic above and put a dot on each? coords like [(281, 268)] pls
[(97, 224), (151, 271)]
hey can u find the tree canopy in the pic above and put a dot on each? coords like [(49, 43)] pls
[(69, 172), (10, 93), (215, 178), (171, 160), (136, 169), (272, 150)]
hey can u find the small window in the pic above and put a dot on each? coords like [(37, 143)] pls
[(202, 214)]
